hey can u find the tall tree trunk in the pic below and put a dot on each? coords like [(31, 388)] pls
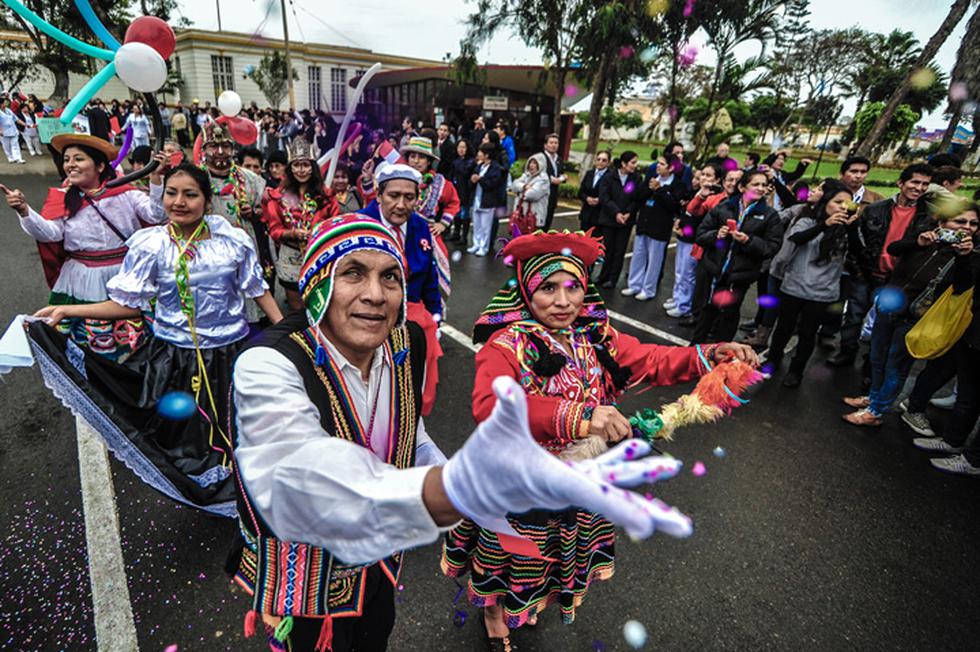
[(672, 112), (559, 95), (595, 108), (701, 140), (60, 94), (954, 122), (955, 15)]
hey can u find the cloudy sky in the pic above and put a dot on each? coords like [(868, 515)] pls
[(431, 29)]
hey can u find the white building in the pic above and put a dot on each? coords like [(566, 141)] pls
[(211, 62)]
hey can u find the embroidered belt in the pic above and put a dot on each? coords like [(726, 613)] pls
[(99, 258), (286, 578)]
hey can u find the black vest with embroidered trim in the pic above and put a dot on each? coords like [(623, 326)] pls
[(296, 579)]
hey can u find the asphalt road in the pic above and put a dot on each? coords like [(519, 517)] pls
[(809, 534)]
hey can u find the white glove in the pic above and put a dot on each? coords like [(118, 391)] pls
[(501, 469)]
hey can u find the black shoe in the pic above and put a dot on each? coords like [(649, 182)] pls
[(690, 321), (607, 285), (826, 342), (841, 359), (748, 326), (792, 379)]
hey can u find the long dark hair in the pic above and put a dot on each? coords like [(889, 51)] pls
[(834, 238), (314, 186), (75, 197)]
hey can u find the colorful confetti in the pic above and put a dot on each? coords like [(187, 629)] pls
[(723, 298), (958, 92), (456, 256), (719, 452), (635, 634), (688, 8), (698, 469), (890, 299), (768, 301), (176, 406)]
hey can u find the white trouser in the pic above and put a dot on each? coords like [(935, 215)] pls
[(684, 276), (33, 143), (648, 260), (11, 148), (482, 225)]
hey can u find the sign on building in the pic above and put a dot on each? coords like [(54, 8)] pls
[(495, 102)]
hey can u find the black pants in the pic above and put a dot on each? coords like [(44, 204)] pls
[(809, 315), (702, 283), (937, 373), (719, 316), (761, 287), (967, 407), (369, 633), (616, 239)]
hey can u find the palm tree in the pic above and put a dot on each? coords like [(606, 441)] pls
[(955, 15), (966, 71), (732, 24)]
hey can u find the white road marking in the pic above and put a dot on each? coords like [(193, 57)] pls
[(566, 213), (458, 336), (113, 612), (656, 332)]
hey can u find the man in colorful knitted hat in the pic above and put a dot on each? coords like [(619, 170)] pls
[(337, 474), (237, 196), (437, 199)]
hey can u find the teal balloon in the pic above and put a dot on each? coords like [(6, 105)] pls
[(57, 34), (95, 24), (176, 406), (87, 92)]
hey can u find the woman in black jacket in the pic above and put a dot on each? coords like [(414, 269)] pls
[(617, 214), (737, 236), (659, 200), (486, 180), (460, 173)]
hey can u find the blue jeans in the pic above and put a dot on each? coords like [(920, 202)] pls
[(648, 261), (684, 267), (890, 360)]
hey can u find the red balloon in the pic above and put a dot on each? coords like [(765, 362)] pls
[(154, 32), (243, 130)]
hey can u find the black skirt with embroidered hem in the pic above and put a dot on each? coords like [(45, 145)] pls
[(185, 458)]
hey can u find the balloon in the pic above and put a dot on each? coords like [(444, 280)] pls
[(90, 88), (154, 32), (244, 131), (140, 67), (249, 69), (57, 34), (124, 150), (230, 103), (85, 8)]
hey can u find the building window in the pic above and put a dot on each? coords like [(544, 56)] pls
[(221, 74), (338, 89), (315, 88)]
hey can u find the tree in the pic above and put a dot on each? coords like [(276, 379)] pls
[(956, 13), (898, 127), (17, 64), (616, 120), (730, 24), (965, 78), (768, 112), (270, 77), (553, 26)]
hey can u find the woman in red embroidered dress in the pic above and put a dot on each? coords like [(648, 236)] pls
[(291, 211), (548, 328)]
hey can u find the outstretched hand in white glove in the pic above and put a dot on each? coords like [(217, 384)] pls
[(501, 469)]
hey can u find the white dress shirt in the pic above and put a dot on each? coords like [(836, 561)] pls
[(318, 489)]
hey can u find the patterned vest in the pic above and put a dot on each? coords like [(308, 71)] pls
[(287, 578)]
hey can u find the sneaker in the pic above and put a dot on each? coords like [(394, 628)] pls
[(956, 464), (482, 252), (678, 314), (643, 296), (944, 402), (919, 423), (473, 249), (904, 405), (859, 402), (747, 326), (688, 321), (629, 292), (670, 304), (936, 444), (862, 418)]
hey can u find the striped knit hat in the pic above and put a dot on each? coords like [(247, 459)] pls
[(330, 242)]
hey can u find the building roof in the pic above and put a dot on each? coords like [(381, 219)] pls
[(243, 41), (517, 78)]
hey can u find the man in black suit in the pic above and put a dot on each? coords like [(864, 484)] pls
[(588, 191), (556, 168), (98, 120), (446, 147), (477, 133)]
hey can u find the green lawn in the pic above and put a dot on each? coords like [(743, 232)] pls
[(881, 179)]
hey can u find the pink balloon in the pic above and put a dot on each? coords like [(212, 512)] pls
[(154, 32)]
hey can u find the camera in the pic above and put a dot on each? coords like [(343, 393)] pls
[(949, 236)]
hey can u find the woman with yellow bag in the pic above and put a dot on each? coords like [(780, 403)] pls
[(925, 267), (963, 459)]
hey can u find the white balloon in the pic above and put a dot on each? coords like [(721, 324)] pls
[(229, 103), (140, 67)]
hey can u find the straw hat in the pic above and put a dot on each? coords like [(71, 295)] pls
[(63, 141), (420, 145)]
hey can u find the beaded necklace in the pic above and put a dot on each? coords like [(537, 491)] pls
[(300, 215), (235, 185)]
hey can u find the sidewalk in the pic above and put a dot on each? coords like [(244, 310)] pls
[(35, 165)]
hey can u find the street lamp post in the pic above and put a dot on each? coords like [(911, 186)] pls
[(289, 63)]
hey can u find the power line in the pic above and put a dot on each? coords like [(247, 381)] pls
[(330, 27)]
